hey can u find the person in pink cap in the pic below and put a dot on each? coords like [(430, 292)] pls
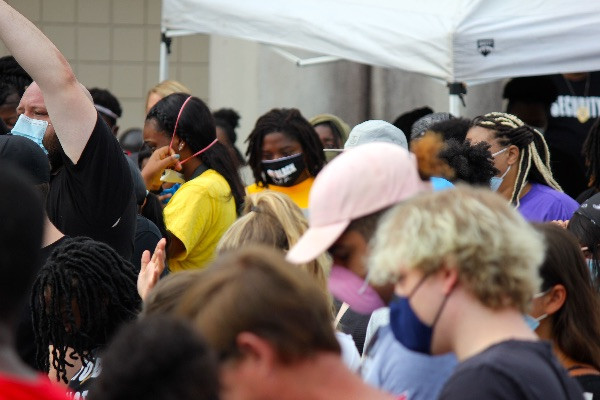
[(345, 203)]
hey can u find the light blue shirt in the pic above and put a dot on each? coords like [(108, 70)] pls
[(391, 367)]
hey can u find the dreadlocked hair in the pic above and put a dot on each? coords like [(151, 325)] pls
[(292, 124), (534, 157), (196, 128), (591, 152), (83, 293)]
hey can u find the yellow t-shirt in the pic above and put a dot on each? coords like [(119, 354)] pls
[(298, 193), (199, 213)]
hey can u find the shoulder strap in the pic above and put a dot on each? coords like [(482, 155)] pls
[(344, 307)]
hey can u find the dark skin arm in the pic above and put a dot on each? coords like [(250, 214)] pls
[(176, 246)]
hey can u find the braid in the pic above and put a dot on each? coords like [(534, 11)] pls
[(510, 130), (92, 278), (291, 123)]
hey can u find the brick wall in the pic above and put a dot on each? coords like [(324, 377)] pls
[(114, 44)]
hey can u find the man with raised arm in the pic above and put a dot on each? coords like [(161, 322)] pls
[(91, 189)]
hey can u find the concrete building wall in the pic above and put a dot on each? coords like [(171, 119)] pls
[(252, 79), (114, 44)]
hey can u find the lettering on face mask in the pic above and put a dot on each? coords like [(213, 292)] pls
[(283, 171)]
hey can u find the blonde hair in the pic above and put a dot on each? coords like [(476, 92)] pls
[(167, 293), (255, 290), (496, 252), (165, 88), (273, 219)]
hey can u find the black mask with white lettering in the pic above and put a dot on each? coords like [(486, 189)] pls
[(283, 171)]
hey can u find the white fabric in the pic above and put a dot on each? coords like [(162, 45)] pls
[(350, 354), (437, 38)]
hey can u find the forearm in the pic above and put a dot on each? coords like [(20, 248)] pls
[(33, 50), (69, 105)]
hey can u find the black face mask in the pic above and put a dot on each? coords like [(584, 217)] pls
[(283, 171)]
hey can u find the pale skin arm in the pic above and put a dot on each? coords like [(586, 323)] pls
[(68, 103), (151, 268)]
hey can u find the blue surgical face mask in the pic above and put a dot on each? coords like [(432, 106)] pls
[(533, 322), (496, 181), (33, 129), (406, 326)]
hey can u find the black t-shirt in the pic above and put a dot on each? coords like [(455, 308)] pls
[(590, 385), (147, 236), (353, 324), (83, 380), (565, 134), (512, 370), (94, 197)]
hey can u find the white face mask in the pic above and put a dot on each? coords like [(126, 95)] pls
[(172, 176), (496, 181)]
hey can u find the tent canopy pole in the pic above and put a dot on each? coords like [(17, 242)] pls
[(456, 92), (165, 50)]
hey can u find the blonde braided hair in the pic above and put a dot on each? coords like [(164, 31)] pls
[(510, 130)]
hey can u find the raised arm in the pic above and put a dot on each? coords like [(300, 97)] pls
[(68, 103)]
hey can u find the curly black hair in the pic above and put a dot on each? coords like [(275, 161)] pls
[(455, 128), (80, 297), (12, 74), (291, 123), (165, 358), (472, 164)]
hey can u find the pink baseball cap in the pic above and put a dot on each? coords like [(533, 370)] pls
[(358, 182)]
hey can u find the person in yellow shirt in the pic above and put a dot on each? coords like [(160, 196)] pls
[(285, 154), (181, 132)]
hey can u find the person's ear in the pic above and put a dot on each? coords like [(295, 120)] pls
[(257, 351), (513, 154), (554, 299), (115, 130), (449, 274)]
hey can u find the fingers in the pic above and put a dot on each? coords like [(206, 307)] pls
[(145, 259), (175, 156), (165, 196)]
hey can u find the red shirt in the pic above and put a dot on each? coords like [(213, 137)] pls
[(13, 388)]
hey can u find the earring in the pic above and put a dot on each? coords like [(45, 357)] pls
[(181, 146)]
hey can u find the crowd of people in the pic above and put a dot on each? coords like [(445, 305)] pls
[(435, 257)]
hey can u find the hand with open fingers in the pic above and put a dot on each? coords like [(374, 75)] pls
[(151, 268), (162, 158), (561, 223), (163, 197)]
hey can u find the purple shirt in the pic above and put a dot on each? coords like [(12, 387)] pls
[(542, 203)]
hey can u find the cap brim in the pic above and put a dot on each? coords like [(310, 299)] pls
[(315, 241)]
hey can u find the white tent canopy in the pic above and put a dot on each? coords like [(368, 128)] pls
[(466, 41)]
